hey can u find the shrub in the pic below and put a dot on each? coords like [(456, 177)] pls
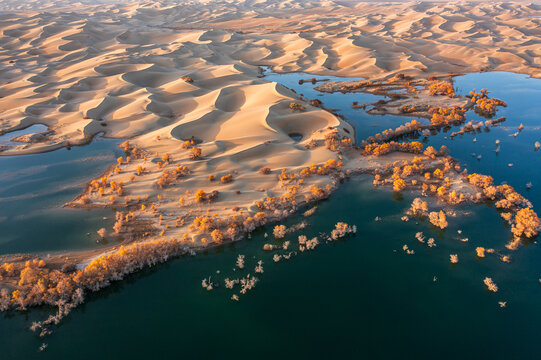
[(195, 153), (442, 88), (226, 179), (200, 196), (526, 223), (213, 195), (102, 232), (279, 231), (316, 103), (480, 251), (296, 107), (217, 236), (438, 219), (386, 148), (419, 207), (398, 184), (490, 284), (430, 152)]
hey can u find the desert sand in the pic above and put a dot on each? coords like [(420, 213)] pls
[(77, 68), (162, 73)]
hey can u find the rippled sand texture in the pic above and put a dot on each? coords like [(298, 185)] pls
[(123, 64)]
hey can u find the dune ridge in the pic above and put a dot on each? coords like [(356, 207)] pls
[(117, 67)]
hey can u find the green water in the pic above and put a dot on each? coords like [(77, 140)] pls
[(358, 298)]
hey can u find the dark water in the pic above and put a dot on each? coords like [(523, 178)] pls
[(358, 298)]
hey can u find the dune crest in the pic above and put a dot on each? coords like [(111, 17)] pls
[(119, 67)]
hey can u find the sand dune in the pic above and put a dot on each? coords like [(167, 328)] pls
[(123, 62), (162, 72)]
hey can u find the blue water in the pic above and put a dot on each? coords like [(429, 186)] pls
[(523, 97)]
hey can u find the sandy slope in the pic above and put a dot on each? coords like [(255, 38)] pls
[(122, 64), (120, 69)]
